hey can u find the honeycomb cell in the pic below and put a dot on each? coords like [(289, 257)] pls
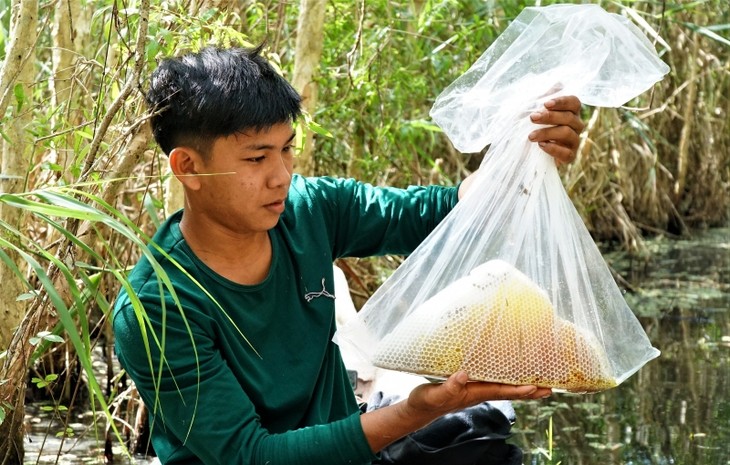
[(498, 326)]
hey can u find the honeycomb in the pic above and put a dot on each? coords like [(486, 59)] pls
[(498, 326)]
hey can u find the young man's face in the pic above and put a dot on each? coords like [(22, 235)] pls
[(252, 175)]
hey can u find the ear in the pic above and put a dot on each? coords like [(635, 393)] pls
[(185, 164)]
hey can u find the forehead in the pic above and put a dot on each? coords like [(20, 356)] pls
[(274, 135)]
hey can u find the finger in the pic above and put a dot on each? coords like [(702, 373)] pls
[(542, 393), (538, 393), (558, 118), (560, 153), (561, 135), (438, 395), (457, 390), (458, 380), (454, 385), (496, 391), (569, 103)]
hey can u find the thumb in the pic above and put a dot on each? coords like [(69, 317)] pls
[(454, 386), (456, 382), (440, 395)]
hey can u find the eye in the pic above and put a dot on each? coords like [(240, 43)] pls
[(255, 159)]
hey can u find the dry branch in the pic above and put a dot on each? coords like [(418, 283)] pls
[(126, 91)]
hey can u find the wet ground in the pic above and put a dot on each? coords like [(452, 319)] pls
[(674, 411)]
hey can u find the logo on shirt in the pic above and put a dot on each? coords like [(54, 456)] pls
[(309, 296)]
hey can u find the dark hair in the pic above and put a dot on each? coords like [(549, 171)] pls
[(198, 97)]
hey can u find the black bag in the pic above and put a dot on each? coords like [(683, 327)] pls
[(474, 436)]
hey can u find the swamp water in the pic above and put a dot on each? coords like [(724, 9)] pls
[(674, 411)]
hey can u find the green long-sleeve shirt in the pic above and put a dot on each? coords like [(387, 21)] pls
[(216, 400)]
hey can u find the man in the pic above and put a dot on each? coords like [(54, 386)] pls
[(227, 334)]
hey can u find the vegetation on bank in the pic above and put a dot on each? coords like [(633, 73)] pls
[(83, 185)]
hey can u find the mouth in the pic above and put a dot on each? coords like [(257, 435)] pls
[(276, 206)]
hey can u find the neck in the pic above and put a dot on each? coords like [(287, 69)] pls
[(241, 258)]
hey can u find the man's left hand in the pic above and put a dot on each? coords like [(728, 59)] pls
[(562, 137)]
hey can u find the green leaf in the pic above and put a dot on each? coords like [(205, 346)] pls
[(45, 336), (19, 95), (426, 125), (712, 35), (151, 207), (27, 296), (318, 129), (85, 133), (48, 166), (53, 338)]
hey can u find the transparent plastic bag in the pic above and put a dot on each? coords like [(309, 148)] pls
[(510, 286)]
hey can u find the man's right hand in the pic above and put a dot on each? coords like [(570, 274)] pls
[(430, 401), (458, 392)]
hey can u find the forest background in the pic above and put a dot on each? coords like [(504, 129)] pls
[(83, 186)]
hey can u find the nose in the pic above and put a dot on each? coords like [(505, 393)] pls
[(281, 171)]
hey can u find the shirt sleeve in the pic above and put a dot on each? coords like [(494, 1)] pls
[(191, 393), (370, 220)]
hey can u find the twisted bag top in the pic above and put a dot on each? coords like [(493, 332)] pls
[(602, 58)]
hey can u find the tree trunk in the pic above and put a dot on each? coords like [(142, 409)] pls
[(310, 30), (11, 181), (688, 116), (23, 26), (63, 36), (15, 79), (174, 194), (66, 114), (11, 444), (132, 157)]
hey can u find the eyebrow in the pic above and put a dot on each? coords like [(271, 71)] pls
[(268, 146)]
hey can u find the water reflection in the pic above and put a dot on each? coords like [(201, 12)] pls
[(676, 409), (76, 440)]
